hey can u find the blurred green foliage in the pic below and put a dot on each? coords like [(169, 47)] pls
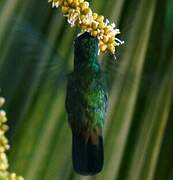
[(36, 46)]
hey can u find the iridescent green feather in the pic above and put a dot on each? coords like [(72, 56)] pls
[(86, 104)]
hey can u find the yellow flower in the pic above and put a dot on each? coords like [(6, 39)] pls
[(80, 14), (4, 146)]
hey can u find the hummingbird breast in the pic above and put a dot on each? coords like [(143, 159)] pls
[(86, 101)]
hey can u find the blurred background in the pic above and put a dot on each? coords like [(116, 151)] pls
[(36, 54)]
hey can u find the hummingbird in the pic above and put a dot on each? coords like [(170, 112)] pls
[(86, 106)]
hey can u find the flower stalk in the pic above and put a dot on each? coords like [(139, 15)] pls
[(79, 14), (4, 146)]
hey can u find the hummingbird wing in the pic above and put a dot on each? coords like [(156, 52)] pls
[(70, 96)]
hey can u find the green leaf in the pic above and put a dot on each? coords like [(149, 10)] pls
[(36, 46)]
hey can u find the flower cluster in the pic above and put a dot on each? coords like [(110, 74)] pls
[(80, 14), (4, 146)]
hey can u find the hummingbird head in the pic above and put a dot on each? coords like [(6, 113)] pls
[(86, 49)]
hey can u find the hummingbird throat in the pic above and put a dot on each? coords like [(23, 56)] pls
[(86, 52)]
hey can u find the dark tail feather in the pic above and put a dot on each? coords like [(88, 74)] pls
[(87, 156)]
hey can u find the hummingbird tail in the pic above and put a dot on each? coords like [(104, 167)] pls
[(87, 153)]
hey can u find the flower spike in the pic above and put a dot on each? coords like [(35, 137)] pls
[(79, 14)]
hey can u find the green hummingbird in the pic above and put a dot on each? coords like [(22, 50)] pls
[(86, 105)]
